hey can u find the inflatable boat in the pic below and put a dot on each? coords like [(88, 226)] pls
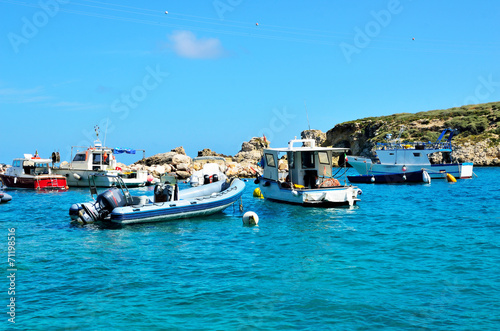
[(4, 197), (117, 205)]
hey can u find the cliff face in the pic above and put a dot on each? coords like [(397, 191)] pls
[(478, 127)]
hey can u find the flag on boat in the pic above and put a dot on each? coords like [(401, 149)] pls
[(123, 150)]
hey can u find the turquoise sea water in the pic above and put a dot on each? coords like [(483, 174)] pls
[(407, 257)]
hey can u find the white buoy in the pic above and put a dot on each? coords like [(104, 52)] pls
[(166, 12), (295, 193), (372, 179), (250, 218), (77, 176)]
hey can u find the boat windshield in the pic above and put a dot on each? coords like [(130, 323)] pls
[(79, 157)]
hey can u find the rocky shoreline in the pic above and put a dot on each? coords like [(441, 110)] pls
[(176, 163), (359, 137)]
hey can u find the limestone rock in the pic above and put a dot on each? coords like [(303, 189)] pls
[(318, 135), (158, 159), (183, 167), (180, 158), (182, 174), (179, 150)]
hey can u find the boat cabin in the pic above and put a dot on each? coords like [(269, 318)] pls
[(29, 165), (304, 166)]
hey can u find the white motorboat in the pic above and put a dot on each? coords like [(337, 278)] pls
[(395, 157), (308, 179), (99, 160), (210, 172)]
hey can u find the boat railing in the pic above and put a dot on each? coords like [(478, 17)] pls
[(414, 145)]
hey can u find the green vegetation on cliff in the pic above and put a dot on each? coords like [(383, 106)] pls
[(473, 122)]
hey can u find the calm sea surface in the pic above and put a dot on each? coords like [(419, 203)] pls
[(406, 257)]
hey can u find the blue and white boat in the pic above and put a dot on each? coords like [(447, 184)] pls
[(306, 178), (403, 177), (395, 157), (117, 205)]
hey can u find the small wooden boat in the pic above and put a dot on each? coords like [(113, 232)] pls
[(117, 205), (33, 172), (407, 177)]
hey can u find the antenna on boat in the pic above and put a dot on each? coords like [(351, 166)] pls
[(307, 116)]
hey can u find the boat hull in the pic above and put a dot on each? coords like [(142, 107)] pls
[(80, 178), (406, 177), (324, 197), (40, 182), (364, 166), (192, 207)]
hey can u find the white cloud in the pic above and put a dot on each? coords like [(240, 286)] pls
[(185, 44)]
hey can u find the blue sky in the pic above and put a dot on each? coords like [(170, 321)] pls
[(212, 74)]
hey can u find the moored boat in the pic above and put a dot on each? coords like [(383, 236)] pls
[(308, 177), (117, 205), (394, 157), (33, 172), (99, 160), (210, 170), (4, 197), (407, 177)]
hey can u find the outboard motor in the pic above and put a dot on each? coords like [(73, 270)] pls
[(165, 192), (86, 213), (206, 179), (215, 178)]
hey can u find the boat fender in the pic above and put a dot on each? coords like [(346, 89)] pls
[(425, 177), (250, 218), (15, 180), (257, 193), (295, 193), (77, 176), (404, 177), (404, 168), (257, 180), (360, 192), (266, 183), (450, 178), (372, 179)]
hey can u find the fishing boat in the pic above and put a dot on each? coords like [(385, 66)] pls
[(33, 172), (407, 177), (308, 177), (101, 160), (117, 205), (394, 157)]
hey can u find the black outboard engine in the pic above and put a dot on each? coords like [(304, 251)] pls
[(165, 192), (215, 178), (206, 179), (86, 213)]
